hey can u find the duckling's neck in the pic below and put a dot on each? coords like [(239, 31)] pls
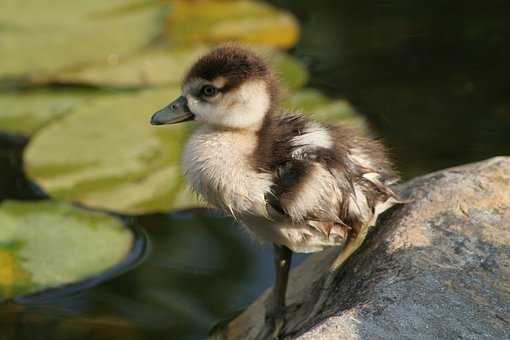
[(248, 130)]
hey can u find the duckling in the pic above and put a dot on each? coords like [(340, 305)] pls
[(297, 183)]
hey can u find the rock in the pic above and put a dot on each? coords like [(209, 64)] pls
[(435, 268)]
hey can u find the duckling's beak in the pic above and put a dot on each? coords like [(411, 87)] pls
[(175, 112)]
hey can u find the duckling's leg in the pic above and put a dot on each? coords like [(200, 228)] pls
[(275, 312), (352, 244)]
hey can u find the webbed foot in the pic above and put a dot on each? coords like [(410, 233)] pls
[(273, 325)]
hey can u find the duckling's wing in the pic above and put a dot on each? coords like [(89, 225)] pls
[(330, 198), (324, 175)]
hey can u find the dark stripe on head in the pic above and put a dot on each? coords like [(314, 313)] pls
[(234, 63)]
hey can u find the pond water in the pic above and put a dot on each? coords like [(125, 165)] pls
[(431, 78)]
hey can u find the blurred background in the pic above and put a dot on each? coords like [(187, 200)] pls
[(99, 236)]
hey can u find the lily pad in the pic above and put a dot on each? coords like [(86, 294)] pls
[(107, 155), (291, 73), (213, 21), (168, 67), (152, 67), (48, 244), (39, 37), (320, 107), (27, 111)]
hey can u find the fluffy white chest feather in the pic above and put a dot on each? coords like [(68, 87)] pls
[(217, 167)]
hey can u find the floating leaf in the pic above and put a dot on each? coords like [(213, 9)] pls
[(306, 100), (107, 155), (290, 71), (313, 102), (153, 67), (212, 21), (168, 67), (25, 112), (49, 244), (38, 37)]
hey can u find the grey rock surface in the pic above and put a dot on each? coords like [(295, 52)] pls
[(435, 268)]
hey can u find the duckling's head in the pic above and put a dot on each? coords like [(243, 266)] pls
[(231, 87)]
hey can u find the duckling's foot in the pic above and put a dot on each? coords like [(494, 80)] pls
[(275, 309), (273, 326)]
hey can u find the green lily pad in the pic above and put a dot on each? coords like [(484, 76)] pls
[(291, 73), (152, 67), (320, 107), (49, 244), (107, 155), (168, 67), (27, 111), (39, 37), (212, 21), (306, 100)]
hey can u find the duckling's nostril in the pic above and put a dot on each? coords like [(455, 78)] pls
[(173, 106)]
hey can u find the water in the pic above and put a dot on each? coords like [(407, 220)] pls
[(431, 76), (433, 80), (199, 270)]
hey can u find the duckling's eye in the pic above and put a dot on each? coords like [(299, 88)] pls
[(208, 91)]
